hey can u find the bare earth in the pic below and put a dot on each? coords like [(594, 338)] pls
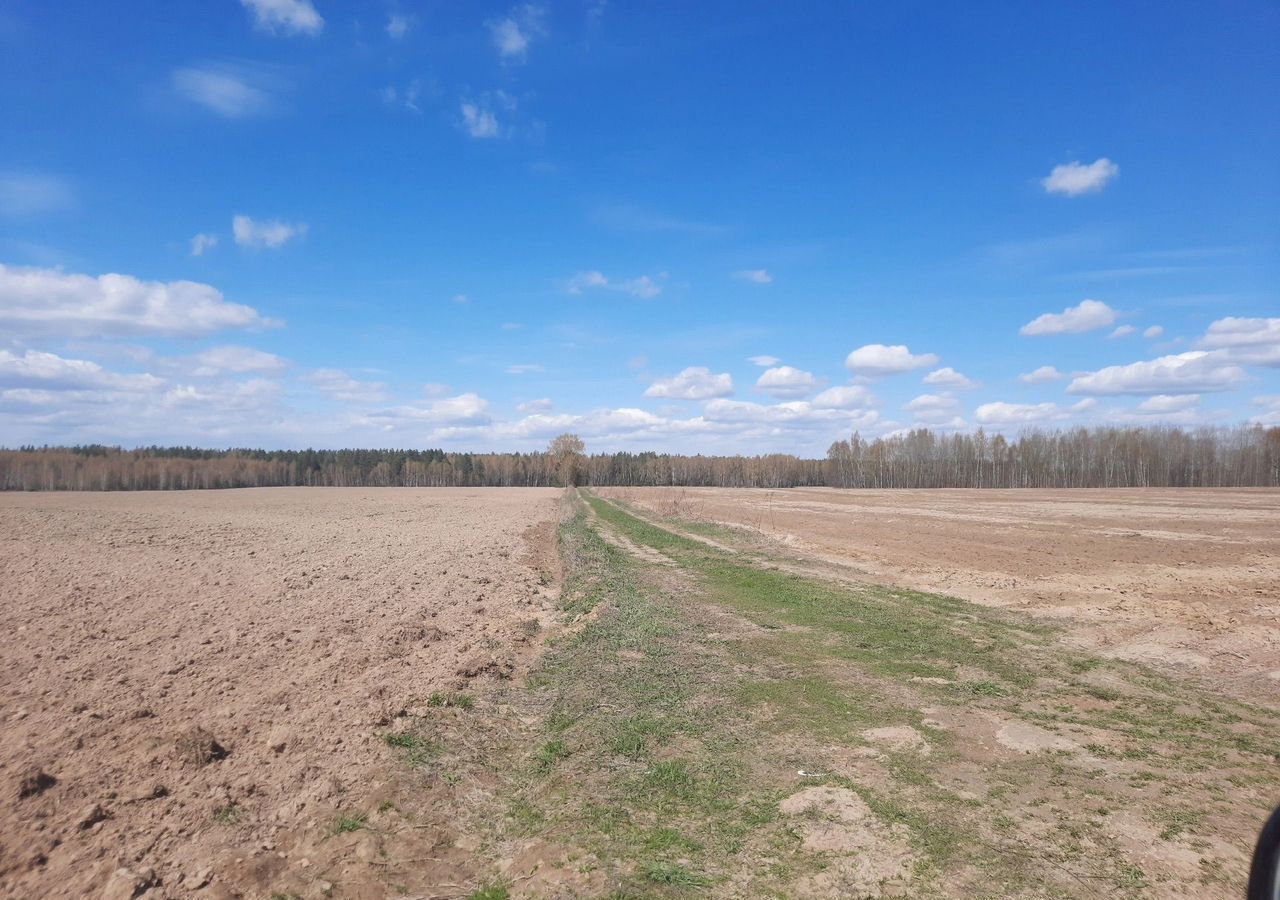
[(1188, 579), (175, 663)]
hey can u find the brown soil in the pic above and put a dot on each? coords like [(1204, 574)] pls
[(195, 685), (1188, 579)]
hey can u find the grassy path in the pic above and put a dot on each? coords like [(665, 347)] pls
[(716, 725)]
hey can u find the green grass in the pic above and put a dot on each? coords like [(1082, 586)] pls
[(227, 815), (347, 823), (457, 701)]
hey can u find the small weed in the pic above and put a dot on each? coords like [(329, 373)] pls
[(227, 815), (549, 754), (386, 806), (458, 701), (674, 874), (346, 824), (402, 740), (494, 890)]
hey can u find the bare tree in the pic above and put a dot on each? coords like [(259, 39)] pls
[(568, 450)]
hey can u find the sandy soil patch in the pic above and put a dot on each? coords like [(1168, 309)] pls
[(1183, 578), (196, 683)]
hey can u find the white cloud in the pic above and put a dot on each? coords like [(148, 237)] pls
[(513, 33), (541, 405), (48, 371), (1122, 331), (1075, 178), (1088, 315), (877, 359), (523, 369), (764, 361), (1153, 332), (32, 193), (949, 378), (1168, 403), (462, 410), (338, 385), (1197, 371), (798, 413), (1042, 375), (398, 26), (753, 276), (435, 389), (694, 383), (285, 16), (271, 233), (1001, 413), (479, 122), (644, 287), (511, 326), (460, 299), (239, 360), (202, 243), (35, 302), (228, 90), (1254, 342), (784, 382), (844, 397)]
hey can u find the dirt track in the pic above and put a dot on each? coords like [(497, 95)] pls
[(1183, 578), (286, 624)]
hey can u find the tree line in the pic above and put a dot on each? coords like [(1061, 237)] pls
[(1081, 457)]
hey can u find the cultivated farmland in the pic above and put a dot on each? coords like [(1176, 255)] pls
[(490, 693)]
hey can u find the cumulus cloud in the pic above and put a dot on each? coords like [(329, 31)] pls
[(523, 369), (479, 122), (753, 276), (785, 382), (764, 361), (1122, 331), (49, 302), (797, 413), (853, 396), (1000, 413), (202, 243), (48, 371), (1254, 342), (285, 16), (877, 359), (1088, 315), (33, 193), (541, 405), (266, 234), (513, 33), (949, 378), (1168, 403), (1042, 375), (1197, 371), (464, 409), (233, 91), (693, 383), (338, 385), (644, 287), (1075, 178), (238, 360), (1153, 332)]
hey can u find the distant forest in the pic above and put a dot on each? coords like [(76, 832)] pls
[(1076, 458)]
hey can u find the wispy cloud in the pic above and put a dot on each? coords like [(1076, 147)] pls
[(398, 26), (479, 122), (623, 217), (203, 243), (643, 287), (753, 276), (513, 33), (285, 16), (32, 193), (232, 90), (265, 234)]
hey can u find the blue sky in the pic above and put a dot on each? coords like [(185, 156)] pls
[(713, 227)]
